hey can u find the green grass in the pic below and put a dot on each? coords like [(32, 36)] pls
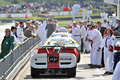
[(35, 17), (3, 23), (66, 23), (21, 18), (62, 23), (69, 16)]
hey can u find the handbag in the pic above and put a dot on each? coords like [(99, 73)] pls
[(110, 48)]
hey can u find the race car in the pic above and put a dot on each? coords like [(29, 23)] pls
[(68, 42), (61, 34), (117, 51), (62, 29), (54, 60)]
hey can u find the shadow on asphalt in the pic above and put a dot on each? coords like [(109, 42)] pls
[(84, 66), (53, 77)]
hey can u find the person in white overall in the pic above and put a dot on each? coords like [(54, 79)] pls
[(116, 74), (75, 9), (109, 40), (41, 32), (97, 40)]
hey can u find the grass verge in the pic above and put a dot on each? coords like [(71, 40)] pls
[(3, 23), (66, 23), (35, 17)]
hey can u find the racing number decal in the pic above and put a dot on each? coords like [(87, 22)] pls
[(52, 60)]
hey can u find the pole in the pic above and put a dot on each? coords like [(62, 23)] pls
[(118, 10)]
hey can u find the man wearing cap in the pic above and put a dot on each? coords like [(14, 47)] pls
[(101, 29), (27, 25), (83, 36), (7, 44), (28, 32), (96, 37), (13, 33), (16, 24), (76, 32), (89, 33), (76, 8), (20, 33)]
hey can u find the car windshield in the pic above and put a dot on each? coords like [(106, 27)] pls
[(60, 41), (61, 35)]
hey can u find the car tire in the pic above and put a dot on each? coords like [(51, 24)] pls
[(71, 72), (78, 58), (34, 72)]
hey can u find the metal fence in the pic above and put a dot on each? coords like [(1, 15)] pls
[(8, 63), (66, 13)]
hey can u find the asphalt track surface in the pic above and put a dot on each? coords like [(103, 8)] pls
[(84, 72)]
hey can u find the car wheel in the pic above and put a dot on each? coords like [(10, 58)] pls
[(78, 58), (71, 72), (34, 72)]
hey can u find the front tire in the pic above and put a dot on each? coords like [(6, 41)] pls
[(71, 72), (34, 72)]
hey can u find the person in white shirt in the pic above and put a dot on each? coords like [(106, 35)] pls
[(83, 36), (75, 9), (76, 32), (42, 32), (71, 22), (20, 33), (106, 24), (57, 26), (89, 44), (106, 16), (116, 74), (13, 33), (109, 26), (80, 24), (102, 16), (115, 25)]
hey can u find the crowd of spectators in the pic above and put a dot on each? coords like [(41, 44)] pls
[(21, 31), (50, 6)]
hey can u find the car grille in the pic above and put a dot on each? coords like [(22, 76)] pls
[(53, 59)]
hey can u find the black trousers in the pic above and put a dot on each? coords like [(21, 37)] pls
[(102, 60), (82, 46)]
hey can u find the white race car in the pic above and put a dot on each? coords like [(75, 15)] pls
[(54, 60)]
